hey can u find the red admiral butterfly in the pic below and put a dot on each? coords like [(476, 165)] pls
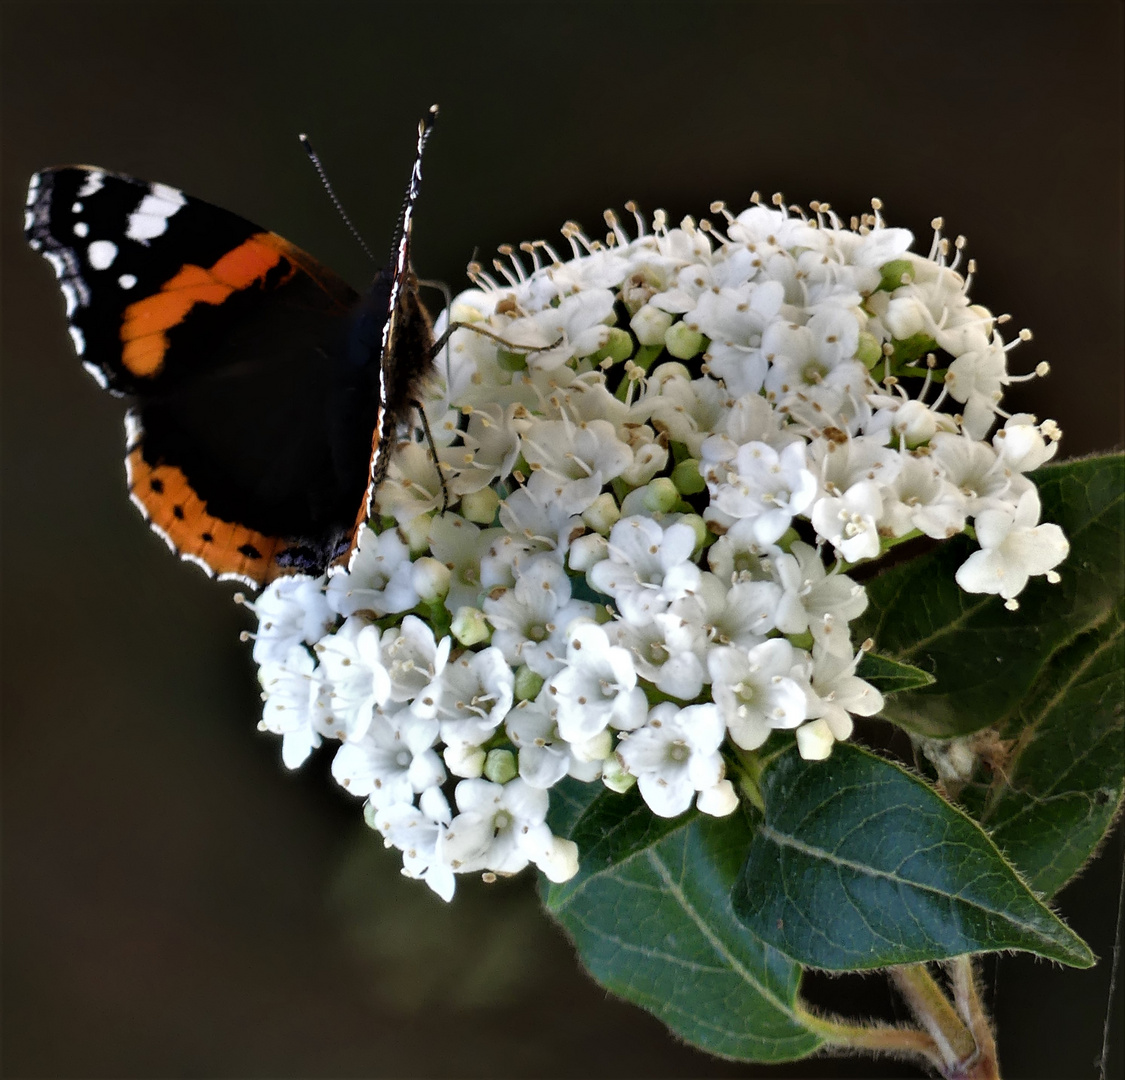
[(267, 391)]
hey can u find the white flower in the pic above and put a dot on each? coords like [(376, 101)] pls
[(295, 706), (675, 755), (532, 619), (920, 498), (476, 694), (760, 484), (835, 692), (850, 523), (648, 567), (358, 682), (545, 757), (499, 828), (1025, 445), (670, 652), (755, 690), (415, 662), (1014, 547), (419, 833), (379, 580), (290, 610), (814, 600), (392, 762), (597, 688), (460, 544)]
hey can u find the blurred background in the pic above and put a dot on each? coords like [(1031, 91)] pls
[(175, 902)]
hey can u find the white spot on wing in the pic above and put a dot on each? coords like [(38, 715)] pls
[(71, 295), (249, 582), (98, 375), (101, 254), (134, 430), (187, 556), (134, 498), (92, 184), (76, 208), (150, 219), (57, 262), (81, 228), (28, 220), (165, 537), (32, 189), (78, 339), (127, 281)]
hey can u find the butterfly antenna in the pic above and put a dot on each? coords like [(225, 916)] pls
[(332, 194), (406, 214)]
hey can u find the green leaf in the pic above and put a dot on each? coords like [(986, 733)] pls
[(986, 659), (890, 676), (860, 865), (650, 915), (1057, 790)]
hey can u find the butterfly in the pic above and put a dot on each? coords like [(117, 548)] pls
[(266, 392)]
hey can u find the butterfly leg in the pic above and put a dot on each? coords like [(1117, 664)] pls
[(509, 345), (433, 453)]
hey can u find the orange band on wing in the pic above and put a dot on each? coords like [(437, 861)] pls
[(174, 510), (143, 330)]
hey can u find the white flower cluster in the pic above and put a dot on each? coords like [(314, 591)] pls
[(662, 457)]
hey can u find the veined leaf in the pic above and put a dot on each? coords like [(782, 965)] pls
[(650, 915), (860, 865)]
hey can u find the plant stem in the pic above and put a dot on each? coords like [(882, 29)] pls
[(876, 1038)]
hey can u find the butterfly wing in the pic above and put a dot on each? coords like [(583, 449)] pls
[(249, 445)]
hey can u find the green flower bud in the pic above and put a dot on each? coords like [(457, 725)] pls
[(895, 274), (618, 347), (661, 495), (687, 478), (528, 684), (469, 626), (615, 777), (510, 361), (417, 534), (480, 506), (602, 514), (869, 352), (500, 766), (699, 526), (683, 342)]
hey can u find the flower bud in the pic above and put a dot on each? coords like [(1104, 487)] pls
[(868, 352), (417, 533), (650, 324), (602, 514), (430, 579), (895, 274), (469, 626), (560, 862), (464, 760), (719, 800), (587, 550), (661, 495), (528, 684), (618, 347), (500, 766), (615, 777), (687, 478), (480, 506), (683, 342), (598, 748)]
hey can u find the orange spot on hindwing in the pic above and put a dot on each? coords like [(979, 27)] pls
[(175, 512)]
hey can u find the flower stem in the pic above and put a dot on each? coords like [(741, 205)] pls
[(876, 1038)]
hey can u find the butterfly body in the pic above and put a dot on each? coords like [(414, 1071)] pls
[(265, 390)]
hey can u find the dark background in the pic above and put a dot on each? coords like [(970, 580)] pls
[(174, 902)]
